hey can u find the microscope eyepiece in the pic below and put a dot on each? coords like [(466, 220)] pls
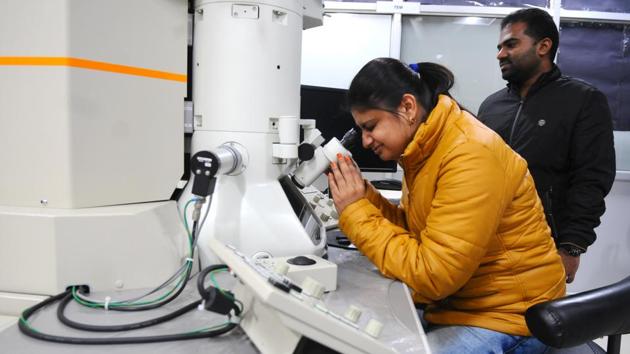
[(350, 138)]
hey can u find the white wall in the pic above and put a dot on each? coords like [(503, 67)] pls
[(622, 150), (608, 259), (465, 45), (333, 53)]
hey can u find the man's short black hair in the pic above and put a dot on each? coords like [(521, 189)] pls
[(539, 23)]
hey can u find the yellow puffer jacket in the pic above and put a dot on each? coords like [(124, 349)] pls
[(470, 237)]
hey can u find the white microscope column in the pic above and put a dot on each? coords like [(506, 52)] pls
[(246, 71)]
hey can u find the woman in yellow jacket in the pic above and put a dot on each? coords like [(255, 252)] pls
[(469, 236)]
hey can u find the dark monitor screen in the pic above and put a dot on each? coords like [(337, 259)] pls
[(327, 106)]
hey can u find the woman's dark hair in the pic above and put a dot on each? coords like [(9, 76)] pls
[(382, 82)]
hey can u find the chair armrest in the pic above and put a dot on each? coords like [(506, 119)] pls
[(581, 317)]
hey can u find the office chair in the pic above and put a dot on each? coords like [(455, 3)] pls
[(577, 319)]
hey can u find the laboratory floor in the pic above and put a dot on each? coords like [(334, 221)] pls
[(7, 321)]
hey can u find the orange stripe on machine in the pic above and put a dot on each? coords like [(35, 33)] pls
[(92, 65)]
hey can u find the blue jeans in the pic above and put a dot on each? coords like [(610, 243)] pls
[(475, 340)]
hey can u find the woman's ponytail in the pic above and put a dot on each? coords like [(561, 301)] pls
[(437, 78), (382, 82)]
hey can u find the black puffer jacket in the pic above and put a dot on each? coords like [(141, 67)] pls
[(563, 129)]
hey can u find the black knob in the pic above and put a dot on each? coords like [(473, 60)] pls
[(204, 166), (301, 260), (306, 151)]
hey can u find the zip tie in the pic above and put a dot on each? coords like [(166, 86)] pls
[(235, 319), (107, 300), (188, 259), (202, 306)]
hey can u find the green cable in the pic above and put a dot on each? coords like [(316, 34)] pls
[(124, 303), (25, 322), (181, 279), (82, 301), (26, 328), (216, 284), (201, 330), (190, 235)]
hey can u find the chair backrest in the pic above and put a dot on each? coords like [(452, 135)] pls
[(581, 317)]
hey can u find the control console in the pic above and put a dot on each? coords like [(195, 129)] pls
[(299, 267), (278, 312), (323, 206)]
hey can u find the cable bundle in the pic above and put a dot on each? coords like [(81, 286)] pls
[(214, 299)]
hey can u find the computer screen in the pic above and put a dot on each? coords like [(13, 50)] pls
[(327, 106)]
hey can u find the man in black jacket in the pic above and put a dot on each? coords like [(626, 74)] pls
[(561, 126)]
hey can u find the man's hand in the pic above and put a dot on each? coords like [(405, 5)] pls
[(571, 264), (345, 182)]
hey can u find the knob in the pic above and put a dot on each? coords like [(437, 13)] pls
[(374, 328), (306, 151), (352, 314), (312, 288), (281, 268), (334, 214), (324, 217)]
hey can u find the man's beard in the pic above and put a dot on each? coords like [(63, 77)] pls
[(518, 75), (522, 71)]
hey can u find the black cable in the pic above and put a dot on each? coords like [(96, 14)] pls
[(67, 296), (216, 300), (27, 330), (116, 328), (194, 229), (201, 279)]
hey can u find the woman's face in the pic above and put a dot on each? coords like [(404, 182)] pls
[(385, 133)]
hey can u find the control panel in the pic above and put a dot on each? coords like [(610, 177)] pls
[(323, 206), (303, 210), (297, 268), (278, 312)]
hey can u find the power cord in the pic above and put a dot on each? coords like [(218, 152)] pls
[(116, 328), (26, 328), (217, 299)]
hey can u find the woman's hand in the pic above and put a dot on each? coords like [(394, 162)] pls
[(345, 182)]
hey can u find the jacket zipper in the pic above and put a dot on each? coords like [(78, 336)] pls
[(549, 213), (518, 113)]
